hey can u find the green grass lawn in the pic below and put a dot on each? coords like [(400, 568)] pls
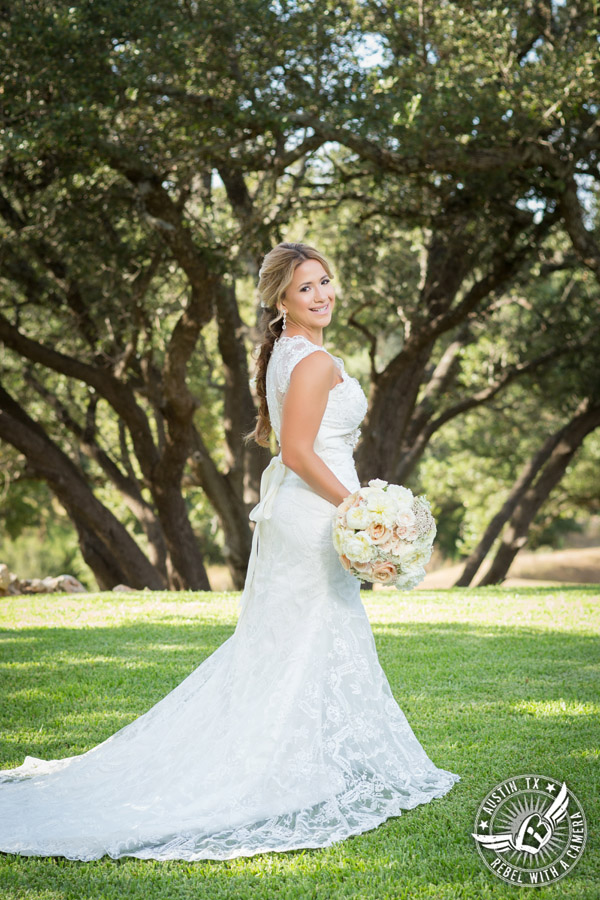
[(495, 682)]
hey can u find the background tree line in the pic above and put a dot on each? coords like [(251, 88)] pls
[(444, 157)]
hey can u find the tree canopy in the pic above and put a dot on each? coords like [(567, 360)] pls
[(444, 157)]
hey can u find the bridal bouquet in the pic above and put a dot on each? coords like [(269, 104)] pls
[(384, 534)]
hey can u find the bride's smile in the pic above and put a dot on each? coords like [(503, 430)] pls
[(308, 301)]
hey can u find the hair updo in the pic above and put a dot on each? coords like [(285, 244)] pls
[(275, 276)]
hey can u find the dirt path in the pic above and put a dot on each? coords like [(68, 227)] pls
[(576, 566)]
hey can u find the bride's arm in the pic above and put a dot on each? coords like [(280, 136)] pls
[(301, 415)]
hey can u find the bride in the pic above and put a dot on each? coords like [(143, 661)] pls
[(288, 735)]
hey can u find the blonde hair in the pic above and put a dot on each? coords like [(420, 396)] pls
[(275, 276)]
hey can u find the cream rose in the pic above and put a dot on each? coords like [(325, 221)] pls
[(381, 507), (377, 483), (384, 571), (358, 517), (398, 548), (378, 532), (421, 557), (405, 518), (347, 503), (338, 539), (357, 546)]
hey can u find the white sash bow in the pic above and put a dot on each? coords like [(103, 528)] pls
[(269, 485)]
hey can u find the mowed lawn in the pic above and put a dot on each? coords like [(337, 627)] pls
[(495, 682)]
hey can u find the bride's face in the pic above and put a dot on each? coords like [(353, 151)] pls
[(310, 298)]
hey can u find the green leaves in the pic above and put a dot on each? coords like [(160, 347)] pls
[(151, 149)]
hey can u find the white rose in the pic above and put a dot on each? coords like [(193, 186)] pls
[(338, 539), (358, 517), (403, 495), (406, 518), (404, 553), (421, 557), (408, 580), (381, 506), (377, 483), (358, 547)]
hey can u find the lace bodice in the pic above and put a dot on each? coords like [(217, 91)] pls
[(346, 407)]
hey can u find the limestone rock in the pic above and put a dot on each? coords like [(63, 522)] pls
[(11, 584), (4, 577)]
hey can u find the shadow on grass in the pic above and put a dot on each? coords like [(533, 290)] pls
[(485, 701), (448, 678)]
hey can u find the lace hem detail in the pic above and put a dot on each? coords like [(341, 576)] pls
[(365, 806)]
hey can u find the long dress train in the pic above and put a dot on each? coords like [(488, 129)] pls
[(287, 736)]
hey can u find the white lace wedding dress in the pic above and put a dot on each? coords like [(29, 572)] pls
[(287, 736)]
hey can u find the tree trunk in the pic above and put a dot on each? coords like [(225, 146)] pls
[(122, 559), (188, 571), (523, 482), (125, 482), (96, 555), (426, 422), (384, 451), (162, 472), (395, 390), (586, 420)]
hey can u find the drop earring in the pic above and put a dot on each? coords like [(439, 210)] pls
[(284, 315)]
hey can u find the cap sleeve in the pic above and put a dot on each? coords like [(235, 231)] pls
[(279, 371), (291, 355)]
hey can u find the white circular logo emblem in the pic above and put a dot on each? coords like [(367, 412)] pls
[(530, 830)]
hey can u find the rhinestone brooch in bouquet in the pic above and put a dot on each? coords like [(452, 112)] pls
[(384, 534)]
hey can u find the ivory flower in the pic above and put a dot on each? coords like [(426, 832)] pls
[(358, 517), (358, 547), (381, 506)]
